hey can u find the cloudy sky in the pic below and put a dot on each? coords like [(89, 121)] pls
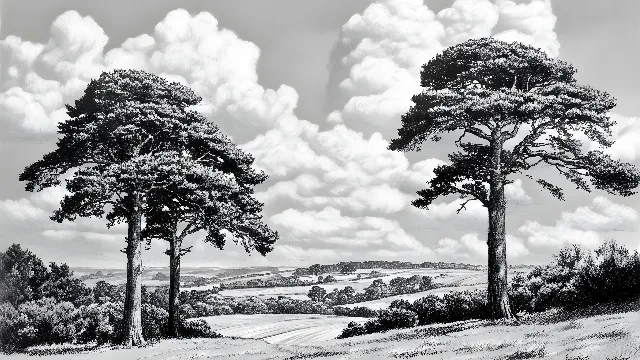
[(315, 91)]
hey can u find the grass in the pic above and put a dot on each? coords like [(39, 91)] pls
[(602, 336)]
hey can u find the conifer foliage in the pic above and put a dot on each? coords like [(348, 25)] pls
[(134, 148), (494, 91)]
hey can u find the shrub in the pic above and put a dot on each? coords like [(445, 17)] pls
[(396, 319), (154, 321), (352, 329), (400, 304), (96, 324), (197, 329), (54, 323), (15, 331), (329, 279), (465, 305), (577, 279)]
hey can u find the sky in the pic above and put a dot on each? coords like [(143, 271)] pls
[(315, 91)]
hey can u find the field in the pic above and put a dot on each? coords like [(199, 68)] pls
[(445, 277), (600, 337), (281, 329)]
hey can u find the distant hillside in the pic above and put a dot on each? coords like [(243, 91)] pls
[(318, 269)]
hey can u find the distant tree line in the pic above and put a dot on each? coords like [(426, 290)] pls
[(319, 269), (377, 290)]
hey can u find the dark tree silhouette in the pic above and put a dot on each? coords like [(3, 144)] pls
[(126, 124), (497, 91), (214, 195), (22, 276)]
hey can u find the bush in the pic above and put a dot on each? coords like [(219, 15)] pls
[(96, 324), (577, 279), (352, 329), (465, 305), (54, 323), (197, 329), (154, 321), (358, 311), (400, 304), (15, 331), (396, 319)]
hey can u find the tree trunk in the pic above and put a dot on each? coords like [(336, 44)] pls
[(132, 319), (497, 292), (174, 286)]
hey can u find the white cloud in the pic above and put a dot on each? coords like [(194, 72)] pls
[(625, 133), (473, 210), (376, 63), (22, 210), (312, 223), (531, 22), (602, 215), (467, 19), (515, 194), (558, 236), (582, 226), (329, 229)]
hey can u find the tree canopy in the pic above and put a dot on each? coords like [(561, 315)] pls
[(499, 92), (126, 126), (496, 92)]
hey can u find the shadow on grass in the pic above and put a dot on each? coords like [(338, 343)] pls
[(557, 316)]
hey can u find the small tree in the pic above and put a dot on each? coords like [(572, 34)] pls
[(315, 269), (123, 125), (22, 275), (214, 195), (317, 293), (495, 91)]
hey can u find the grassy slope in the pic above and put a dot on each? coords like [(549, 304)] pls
[(552, 336)]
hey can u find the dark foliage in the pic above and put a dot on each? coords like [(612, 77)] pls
[(452, 307), (197, 329), (577, 279)]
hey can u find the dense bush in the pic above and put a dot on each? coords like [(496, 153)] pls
[(352, 329), (53, 322), (396, 319), (24, 277), (197, 329), (577, 279), (454, 306), (15, 330), (387, 319), (154, 321), (99, 322)]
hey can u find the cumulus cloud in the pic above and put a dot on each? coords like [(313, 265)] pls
[(214, 62), (582, 226), (625, 134), (330, 229), (468, 19), (376, 62), (531, 22), (558, 236), (602, 215), (515, 194)]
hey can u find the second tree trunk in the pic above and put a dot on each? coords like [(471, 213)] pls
[(174, 287), (132, 319)]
